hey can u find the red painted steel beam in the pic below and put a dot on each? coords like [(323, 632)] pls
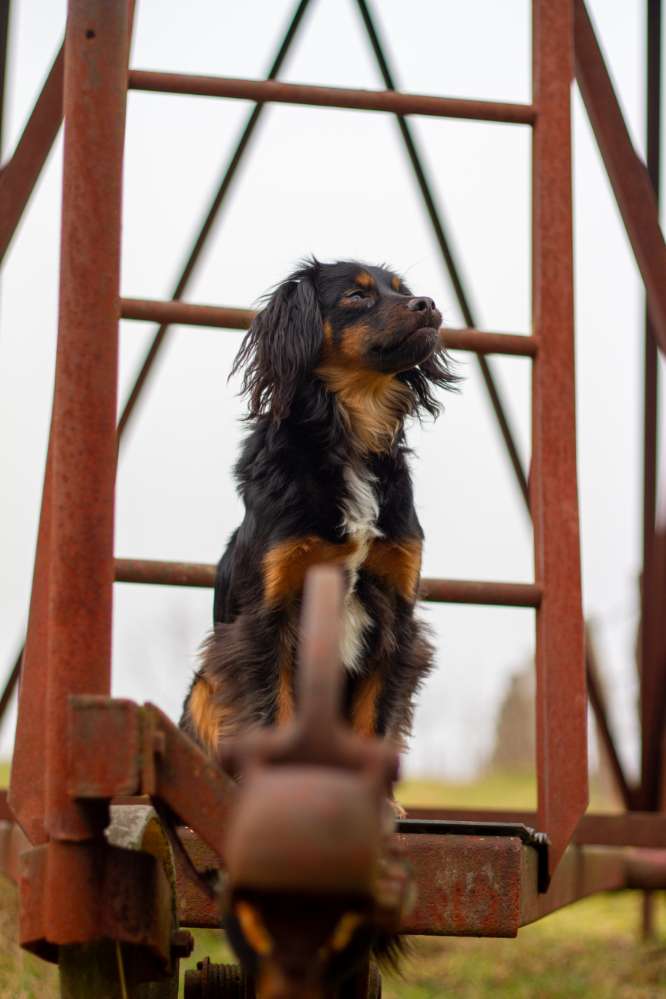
[(627, 174), (482, 342), (153, 757), (81, 566), (469, 885), (458, 591), (582, 871), (471, 591), (274, 91), (185, 314), (561, 702), (19, 175)]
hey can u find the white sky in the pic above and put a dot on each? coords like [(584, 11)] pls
[(337, 184)]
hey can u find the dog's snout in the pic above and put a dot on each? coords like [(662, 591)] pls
[(421, 305)]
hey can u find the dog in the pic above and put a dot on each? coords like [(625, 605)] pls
[(339, 357)]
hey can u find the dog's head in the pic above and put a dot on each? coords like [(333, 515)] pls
[(357, 328)]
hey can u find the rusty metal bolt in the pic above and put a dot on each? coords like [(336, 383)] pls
[(182, 943), (217, 981)]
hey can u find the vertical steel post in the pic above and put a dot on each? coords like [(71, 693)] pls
[(651, 665), (84, 408), (561, 695)]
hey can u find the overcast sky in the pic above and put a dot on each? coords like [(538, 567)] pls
[(337, 184)]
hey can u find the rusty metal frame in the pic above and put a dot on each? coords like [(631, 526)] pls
[(70, 632)]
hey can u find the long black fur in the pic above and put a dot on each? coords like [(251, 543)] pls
[(292, 477)]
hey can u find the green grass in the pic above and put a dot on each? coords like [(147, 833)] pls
[(497, 790), (590, 950), (511, 791)]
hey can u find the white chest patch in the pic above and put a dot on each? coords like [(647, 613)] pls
[(360, 513)]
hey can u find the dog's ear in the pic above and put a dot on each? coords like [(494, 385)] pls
[(281, 347)]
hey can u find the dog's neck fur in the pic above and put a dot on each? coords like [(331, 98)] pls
[(372, 404)]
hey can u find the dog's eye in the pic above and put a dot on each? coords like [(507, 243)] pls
[(356, 293)]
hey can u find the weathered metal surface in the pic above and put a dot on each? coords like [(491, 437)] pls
[(466, 885), (273, 91), (581, 871), (462, 591), (133, 570), (74, 893), (482, 342), (646, 870), (117, 895), (84, 410), (184, 313), (19, 175), (470, 591), (104, 747), (626, 172), (156, 758), (476, 885), (561, 706), (190, 783)]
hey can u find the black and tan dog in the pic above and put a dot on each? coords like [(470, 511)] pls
[(334, 363)]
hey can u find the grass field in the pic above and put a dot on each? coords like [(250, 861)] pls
[(591, 949)]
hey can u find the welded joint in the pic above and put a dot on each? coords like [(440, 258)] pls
[(98, 723)]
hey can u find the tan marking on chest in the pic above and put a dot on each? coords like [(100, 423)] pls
[(287, 562), (398, 563), (372, 403)]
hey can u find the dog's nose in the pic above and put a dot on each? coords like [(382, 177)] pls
[(421, 305)]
